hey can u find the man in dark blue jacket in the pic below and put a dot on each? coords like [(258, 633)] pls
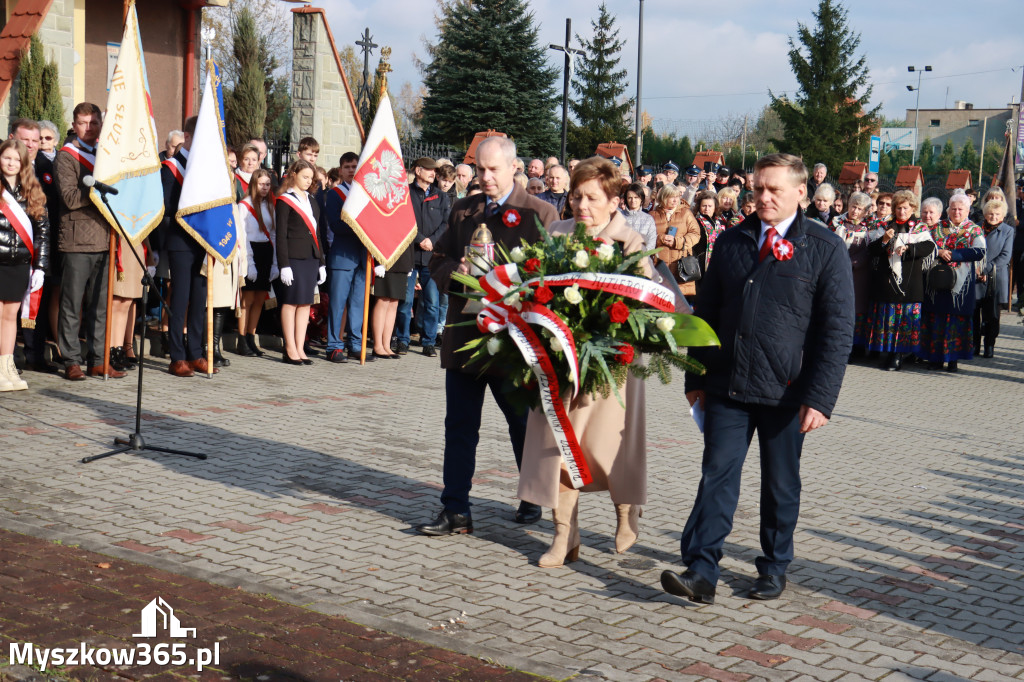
[(431, 208), (779, 294), (346, 259)]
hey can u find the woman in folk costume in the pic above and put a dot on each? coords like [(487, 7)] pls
[(300, 256), (947, 332), (24, 253), (898, 249), (258, 217), (711, 225), (612, 438), (127, 290), (853, 227)]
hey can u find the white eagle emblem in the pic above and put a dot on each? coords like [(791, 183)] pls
[(387, 184)]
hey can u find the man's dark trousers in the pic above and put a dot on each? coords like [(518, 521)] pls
[(728, 428), (464, 394), (188, 297), (83, 294)]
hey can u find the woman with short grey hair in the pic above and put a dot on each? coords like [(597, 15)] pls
[(947, 314), (853, 227), (822, 204)]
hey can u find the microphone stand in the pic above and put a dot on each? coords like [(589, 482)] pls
[(134, 442)]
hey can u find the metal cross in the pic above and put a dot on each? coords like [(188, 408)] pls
[(367, 45), (570, 54)]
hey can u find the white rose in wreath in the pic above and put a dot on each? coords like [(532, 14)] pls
[(493, 345), (582, 259), (518, 255), (665, 324), (605, 252), (573, 295)]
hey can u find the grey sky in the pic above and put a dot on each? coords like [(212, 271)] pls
[(731, 58)]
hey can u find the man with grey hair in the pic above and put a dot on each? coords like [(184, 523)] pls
[(818, 176), (511, 215), (780, 298), (535, 169), (870, 183), (174, 139), (557, 180), (463, 176)]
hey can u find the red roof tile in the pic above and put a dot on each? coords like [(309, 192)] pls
[(852, 172), (477, 139), (615, 149), (25, 20), (959, 179), (909, 176), (708, 155)]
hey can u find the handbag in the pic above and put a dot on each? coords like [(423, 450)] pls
[(688, 269), (941, 277)]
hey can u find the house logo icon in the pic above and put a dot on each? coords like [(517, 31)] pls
[(158, 616)]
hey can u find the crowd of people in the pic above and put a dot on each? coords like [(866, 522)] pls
[(796, 276), (903, 256)]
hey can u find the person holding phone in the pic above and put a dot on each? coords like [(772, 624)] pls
[(671, 214)]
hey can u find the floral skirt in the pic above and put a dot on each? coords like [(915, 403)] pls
[(861, 327), (891, 328), (945, 338)]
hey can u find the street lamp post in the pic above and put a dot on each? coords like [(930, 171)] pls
[(639, 80), (917, 108)]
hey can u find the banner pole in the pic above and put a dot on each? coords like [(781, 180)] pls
[(209, 316), (111, 258), (366, 306)]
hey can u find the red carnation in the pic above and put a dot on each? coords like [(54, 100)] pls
[(626, 353), (543, 295), (532, 265), (619, 313)]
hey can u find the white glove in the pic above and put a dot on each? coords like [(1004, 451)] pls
[(323, 275), (274, 273), (151, 269), (36, 282), (251, 273), (379, 270), (287, 277)]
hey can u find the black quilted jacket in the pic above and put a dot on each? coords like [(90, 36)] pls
[(14, 251), (786, 327)]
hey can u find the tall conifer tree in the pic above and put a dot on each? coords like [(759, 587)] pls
[(826, 121), (600, 112), (246, 105), (487, 70)]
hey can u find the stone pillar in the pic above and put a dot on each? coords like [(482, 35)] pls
[(321, 100)]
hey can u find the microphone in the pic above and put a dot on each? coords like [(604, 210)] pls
[(90, 181)]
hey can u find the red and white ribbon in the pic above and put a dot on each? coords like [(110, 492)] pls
[(498, 315)]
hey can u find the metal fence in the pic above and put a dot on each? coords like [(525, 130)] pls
[(415, 149)]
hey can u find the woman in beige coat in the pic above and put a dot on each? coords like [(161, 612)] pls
[(670, 212), (612, 438)]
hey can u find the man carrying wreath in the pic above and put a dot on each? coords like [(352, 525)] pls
[(780, 298), (511, 215)]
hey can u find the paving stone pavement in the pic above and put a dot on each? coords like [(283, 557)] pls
[(910, 549)]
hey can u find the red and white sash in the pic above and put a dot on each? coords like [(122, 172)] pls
[(247, 202), (83, 157), (342, 192), (243, 180), (21, 223), (305, 211), (177, 170)]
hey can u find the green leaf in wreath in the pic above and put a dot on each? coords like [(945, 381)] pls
[(691, 330)]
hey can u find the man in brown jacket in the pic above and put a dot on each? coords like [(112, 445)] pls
[(511, 215), (83, 240)]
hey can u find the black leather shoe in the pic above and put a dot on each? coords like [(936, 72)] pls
[(429, 351), (989, 352), (768, 587), (354, 355), (447, 523), (895, 363), (690, 585), (951, 366), (528, 512)]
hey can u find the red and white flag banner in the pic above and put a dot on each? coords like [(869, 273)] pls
[(378, 207)]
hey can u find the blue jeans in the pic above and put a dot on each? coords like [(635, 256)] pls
[(464, 398), (728, 429), (347, 289), (428, 312)]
